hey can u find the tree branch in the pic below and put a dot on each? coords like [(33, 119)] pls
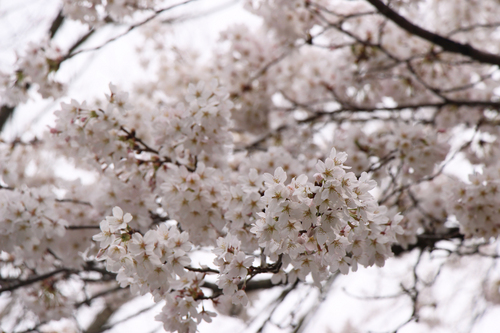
[(80, 227), (250, 286), (79, 202), (427, 241), (79, 42), (447, 44), (56, 24), (5, 113), (360, 109), (34, 279)]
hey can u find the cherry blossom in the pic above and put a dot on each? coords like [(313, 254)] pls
[(330, 136)]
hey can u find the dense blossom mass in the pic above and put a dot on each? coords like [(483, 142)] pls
[(333, 135)]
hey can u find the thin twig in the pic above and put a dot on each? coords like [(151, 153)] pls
[(132, 27)]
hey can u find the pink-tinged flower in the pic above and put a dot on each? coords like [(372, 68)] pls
[(118, 220), (178, 260), (137, 245), (279, 278), (239, 265), (240, 297), (106, 236), (116, 252), (341, 264), (327, 169), (230, 243), (266, 228), (276, 194), (339, 158), (229, 285), (278, 178), (206, 316)]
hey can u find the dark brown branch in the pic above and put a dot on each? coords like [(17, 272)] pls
[(6, 188), (202, 270), (428, 241), (79, 42), (427, 86), (75, 202), (157, 218), (264, 268), (93, 266), (34, 279), (279, 300), (447, 44), (448, 102), (80, 227), (102, 318), (259, 284), (307, 317), (146, 148), (131, 136), (56, 24), (102, 293), (251, 286), (5, 114)]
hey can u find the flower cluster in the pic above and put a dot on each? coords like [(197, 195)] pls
[(331, 224), (47, 301), (36, 68), (418, 151), (430, 216), (29, 224), (290, 19), (305, 228), (475, 204), (154, 263), (198, 130), (409, 148), (99, 129), (234, 267), (240, 71), (195, 199)]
